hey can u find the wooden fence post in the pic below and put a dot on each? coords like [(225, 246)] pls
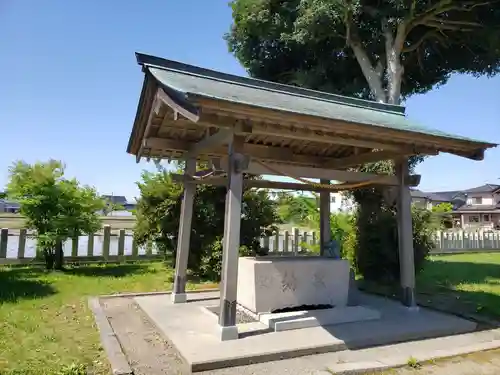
[(304, 240), (4, 237), (90, 245), (286, 242), (266, 243), (74, 246), (314, 238), (296, 239), (276, 244), (106, 242), (135, 248), (121, 243), (22, 243)]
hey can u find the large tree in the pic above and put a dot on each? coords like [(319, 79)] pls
[(372, 49), (383, 50), (55, 207)]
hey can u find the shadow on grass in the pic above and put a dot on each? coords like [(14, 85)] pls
[(467, 289), (110, 270), (18, 284)]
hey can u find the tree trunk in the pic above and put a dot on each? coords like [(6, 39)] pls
[(48, 257), (59, 256)]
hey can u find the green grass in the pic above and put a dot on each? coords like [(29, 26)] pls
[(45, 323), (467, 284)]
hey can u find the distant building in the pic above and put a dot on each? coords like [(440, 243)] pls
[(9, 206), (126, 207), (478, 207)]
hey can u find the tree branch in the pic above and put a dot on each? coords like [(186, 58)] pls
[(419, 42), (373, 75), (393, 52)]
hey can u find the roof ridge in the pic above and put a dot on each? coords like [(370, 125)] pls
[(165, 64)]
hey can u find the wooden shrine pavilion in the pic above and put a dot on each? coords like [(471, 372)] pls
[(239, 124)]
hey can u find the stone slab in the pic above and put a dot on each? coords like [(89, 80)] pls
[(117, 359), (196, 335), (315, 318), (271, 283)]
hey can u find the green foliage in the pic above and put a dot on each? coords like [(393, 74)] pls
[(442, 214), (158, 212), (386, 51), (376, 247), (56, 207), (313, 43), (298, 209), (74, 369), (442, 208), (343, 230)]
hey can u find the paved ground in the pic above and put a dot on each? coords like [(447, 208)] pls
[(148, 354)]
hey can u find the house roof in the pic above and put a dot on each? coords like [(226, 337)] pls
[(440, 196), (196, 92), (415, 193), (479, 209), (486, 188)]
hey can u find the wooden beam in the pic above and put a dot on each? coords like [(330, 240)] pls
[(183, 240), (314, 135), (210, 142), (460, 147), (259, 184), (274, 169), (165, 98), (155, 108), (367, 157), (263, 152)]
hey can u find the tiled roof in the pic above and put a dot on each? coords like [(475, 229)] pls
[(182, 80), (487, 188)]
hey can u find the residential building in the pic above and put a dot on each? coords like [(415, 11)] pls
[(478, 207), (120, 200), (9, 206), (481, 209), (432, 199)]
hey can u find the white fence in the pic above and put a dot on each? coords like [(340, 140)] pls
[(18, 246), (467, 240), (453, 241)]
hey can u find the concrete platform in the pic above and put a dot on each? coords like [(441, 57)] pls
[(195, 333), (315, 318)]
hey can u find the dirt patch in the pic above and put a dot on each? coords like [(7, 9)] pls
[(146, 351)]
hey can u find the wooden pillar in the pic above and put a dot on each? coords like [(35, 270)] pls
[(325, 234), (405, 236), (231, 241), (183, 240)]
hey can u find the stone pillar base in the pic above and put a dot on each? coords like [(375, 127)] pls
[(408, 297), (179, 297), (228, 333)]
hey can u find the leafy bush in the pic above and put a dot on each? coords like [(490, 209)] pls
[(158, 213), (56, 207), (376, 247)]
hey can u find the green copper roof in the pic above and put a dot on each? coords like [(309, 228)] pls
[(187, 80)]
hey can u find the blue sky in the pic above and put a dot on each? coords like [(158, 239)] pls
[(70, 86)]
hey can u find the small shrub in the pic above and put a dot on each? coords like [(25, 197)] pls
[(74, 369), (211, 262), (413, 363), (377, 247)]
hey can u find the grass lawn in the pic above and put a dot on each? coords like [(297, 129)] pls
[(467, 284), (45, 324)]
